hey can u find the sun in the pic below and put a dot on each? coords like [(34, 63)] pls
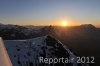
[(64, 23)]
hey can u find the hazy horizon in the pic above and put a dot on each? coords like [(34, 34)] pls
[(50, 12)]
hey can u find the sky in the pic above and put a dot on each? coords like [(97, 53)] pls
[(50, 12)]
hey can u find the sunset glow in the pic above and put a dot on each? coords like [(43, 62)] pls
[(64, 23), (28, 12)]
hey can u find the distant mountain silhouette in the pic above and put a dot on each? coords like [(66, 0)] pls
[(10, 32), (87, 26), (84, 40)]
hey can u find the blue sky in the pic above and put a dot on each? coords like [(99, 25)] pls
[(49, 11)]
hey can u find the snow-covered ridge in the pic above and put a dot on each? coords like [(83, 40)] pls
[(27, 52)]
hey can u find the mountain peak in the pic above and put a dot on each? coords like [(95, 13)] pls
[(28, 52), (87, 26)]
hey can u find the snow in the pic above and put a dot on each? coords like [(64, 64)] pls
[(27, 52)]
